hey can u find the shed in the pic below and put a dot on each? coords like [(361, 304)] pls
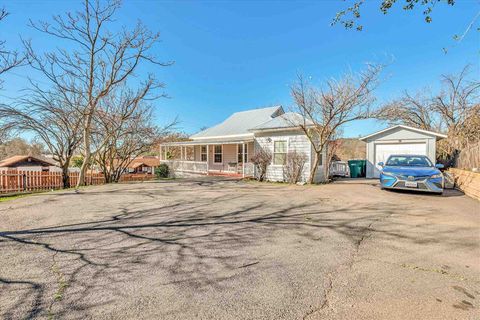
[(398, 139)]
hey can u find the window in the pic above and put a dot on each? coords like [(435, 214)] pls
[(320, 160), (279, 152), (217, 154), (203, 153), (240, 152)]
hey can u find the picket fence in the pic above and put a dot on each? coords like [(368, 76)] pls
[(18, 181)]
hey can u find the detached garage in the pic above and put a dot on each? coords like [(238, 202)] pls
[(398, 140)]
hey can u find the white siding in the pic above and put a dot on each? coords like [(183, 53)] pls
[(295, 141)]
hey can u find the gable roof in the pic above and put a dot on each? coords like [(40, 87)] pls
[(287, 120), (239, 123), (149, 161), (438, 135), (8, 162)]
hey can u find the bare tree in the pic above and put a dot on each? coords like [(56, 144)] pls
[(53, 119), (294, 165), (123, 130), (98, 61), (132, 137), (261, 160), (325, 109), (454, 110), (458, 106), (18, 146), (414, 111), (9, 59)]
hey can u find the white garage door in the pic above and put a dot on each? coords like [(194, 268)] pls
[(383, 151)]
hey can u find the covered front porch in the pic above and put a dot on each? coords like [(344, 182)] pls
[(230, 157)]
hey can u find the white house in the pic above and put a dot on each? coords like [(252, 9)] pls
[(226, 149), (398, 139)]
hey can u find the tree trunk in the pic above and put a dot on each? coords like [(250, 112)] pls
[(314, 167), (86, 159), (65, 176), (326, 166)]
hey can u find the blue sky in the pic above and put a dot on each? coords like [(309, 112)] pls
[(238, 55)]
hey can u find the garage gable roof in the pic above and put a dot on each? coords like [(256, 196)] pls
[(435, 134)]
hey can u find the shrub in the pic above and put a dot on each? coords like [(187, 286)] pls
[(294, 164), (261, 159), (162, 171)]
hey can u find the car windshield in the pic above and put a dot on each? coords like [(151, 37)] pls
[(409, 161)]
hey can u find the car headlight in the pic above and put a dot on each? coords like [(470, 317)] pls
[(388, 174), (436, 176)]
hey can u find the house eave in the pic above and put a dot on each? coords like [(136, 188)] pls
[(436, 134), (243, 135), (276, 129)]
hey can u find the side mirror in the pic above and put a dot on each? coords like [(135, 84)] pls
[(439, 166), (380, 164)]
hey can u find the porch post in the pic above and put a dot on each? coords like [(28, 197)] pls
[(208, 158), (243, 160)]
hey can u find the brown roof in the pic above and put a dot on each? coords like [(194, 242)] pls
[(13, 160), (147, 161)]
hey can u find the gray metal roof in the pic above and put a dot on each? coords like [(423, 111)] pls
[(210, 142), (240, 123), (284, 121)]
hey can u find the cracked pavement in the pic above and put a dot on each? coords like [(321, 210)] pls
[(212, 248)]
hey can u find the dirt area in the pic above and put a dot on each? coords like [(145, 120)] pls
[(225, 249)]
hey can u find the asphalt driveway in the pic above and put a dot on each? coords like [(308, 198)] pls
[(219, 249)]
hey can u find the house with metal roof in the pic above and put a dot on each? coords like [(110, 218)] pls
[(226, 148)]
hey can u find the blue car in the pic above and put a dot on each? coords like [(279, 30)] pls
[(411, 172)]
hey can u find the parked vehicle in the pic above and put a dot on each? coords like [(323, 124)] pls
[(411, 172)]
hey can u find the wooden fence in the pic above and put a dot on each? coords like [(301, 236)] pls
[(17, 181), (469, 157)]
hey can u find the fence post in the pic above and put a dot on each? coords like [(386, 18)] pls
[(24, 177)]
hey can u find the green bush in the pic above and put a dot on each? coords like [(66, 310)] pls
[(162, 171)]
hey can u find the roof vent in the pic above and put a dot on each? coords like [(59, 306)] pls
[(278, 112)]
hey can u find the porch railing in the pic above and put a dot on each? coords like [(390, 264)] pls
[(202, 168), (187, 166)]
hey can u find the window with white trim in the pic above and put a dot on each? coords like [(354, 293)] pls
[(279, 152), (203, 153), (240, 153), (217, 154)]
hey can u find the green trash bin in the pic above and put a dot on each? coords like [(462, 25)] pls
[(357, 168)]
